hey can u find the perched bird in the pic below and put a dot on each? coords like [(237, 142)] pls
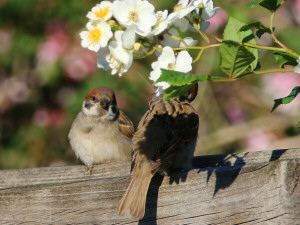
[(101, 132), (164, 142)]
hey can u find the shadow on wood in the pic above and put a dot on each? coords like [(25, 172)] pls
[(242, 188)]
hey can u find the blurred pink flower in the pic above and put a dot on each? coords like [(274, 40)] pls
[(234, 113), (49, 117), (6, 41), (217, 21), (279, 85), (17, 91), (41, 117), (79, 63), (12, 91), (259, 140), (297, 4), (55, 45)]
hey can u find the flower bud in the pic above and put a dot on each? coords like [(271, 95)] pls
[(201, 6), (112, 23), (137, 46)]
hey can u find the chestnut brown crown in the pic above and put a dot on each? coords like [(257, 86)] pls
[(103, 95), (101, 101)]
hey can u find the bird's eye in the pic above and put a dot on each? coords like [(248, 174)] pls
[(94, 98)]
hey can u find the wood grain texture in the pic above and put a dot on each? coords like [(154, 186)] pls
[(243, 188)]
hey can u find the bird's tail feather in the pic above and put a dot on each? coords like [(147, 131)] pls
[(134, 199)]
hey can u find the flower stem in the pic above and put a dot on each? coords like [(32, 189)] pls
[(267, 71), (253, 73), (270, 48), (275, 39), (198, 56)]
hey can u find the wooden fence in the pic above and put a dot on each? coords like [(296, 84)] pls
[(243, 188)]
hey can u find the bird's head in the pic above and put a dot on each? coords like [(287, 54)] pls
[(101, 102)]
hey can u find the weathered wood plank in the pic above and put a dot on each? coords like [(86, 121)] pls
[(244, 188)]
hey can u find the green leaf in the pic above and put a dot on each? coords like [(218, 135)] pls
[(252, 4), (232, 32), (287, 99), (271, 5), (283, 58), (177, 91), (298, 124), (235, 58), (176, 78), (180, 82), (261, 29)]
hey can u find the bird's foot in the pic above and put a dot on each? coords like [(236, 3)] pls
[(90, 169)]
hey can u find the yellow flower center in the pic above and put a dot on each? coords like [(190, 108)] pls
[(133, 16), (112, 59), (171, 66), (102, 12), (159, 19), (177, 8), (95, 35)]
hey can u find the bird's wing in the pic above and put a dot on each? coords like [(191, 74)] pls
[(125, 125), (164, 129)]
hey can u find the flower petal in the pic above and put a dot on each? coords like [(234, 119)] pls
[(167, 56), (184, 62), (128, 37)]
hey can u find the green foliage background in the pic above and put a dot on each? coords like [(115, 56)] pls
[(38, 101)]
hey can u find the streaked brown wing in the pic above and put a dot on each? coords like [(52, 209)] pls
[(164, 126), (125, 125)]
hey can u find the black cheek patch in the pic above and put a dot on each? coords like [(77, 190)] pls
[(87, 105), (114, 109)]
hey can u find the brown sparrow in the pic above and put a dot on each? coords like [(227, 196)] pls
[(101, 132), (165, 141)]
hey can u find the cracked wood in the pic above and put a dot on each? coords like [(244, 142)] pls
[(242, 188)]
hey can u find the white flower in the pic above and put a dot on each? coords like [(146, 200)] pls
[(297, 68), (168, 60), (128, 38), (121, 49), (115, 65), (207, 6), (170, 41), (182, 8), (97, 35), (101, 11), (138, 13), (162, 22), (188, 41)]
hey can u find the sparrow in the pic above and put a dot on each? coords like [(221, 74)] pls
[(164, 142), (101, 132)]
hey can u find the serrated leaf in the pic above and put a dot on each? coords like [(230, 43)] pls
[(287, 99), (261, 29), (235, 58), (232, 32), (260, 33), (176, 78), (271, 5), (282, 59), (177, 91)]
